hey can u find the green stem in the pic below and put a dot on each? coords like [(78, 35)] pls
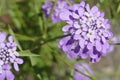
[(53, 7), (72, 67), (69, 3), (55, 38)]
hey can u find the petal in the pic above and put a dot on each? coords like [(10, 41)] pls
[(98, 45), (2, 45), (93, 53), (6, 67), (78, 31), (82, 43), (77, 37), (16, 66), (102, 14), (9, 75), (94, 9), (2, 36), (89, 46), (80, 11), (83, 55), (2, 76), (76, 25), (88, 7), (72, 55), (1, 62), (64, 14), (19, 61), (66, 28), (10, 38), (82, 4), (76, 16)]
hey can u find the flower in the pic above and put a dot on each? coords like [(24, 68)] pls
[(8, 56), (47, 8), (6, 73), (83, 68), (88, 31)]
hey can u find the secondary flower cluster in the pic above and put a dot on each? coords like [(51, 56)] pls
[(83, 68), (8, 56), (48, 7), (87, 30)]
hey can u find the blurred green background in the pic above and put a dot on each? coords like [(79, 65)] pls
[(38, 38)]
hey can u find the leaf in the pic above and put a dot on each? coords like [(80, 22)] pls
[(118, 9), (28, 53), (24, 37)]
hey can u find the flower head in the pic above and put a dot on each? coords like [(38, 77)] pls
[(8, 56), (47, 8), (88, 32)]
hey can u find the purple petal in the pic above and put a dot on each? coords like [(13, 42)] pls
[(76, 16), (80, 11), (66, 28), (98, 45), (89, 46), (83, 55), (76, 25), (94, 9), (19, 61), (9, 75), (64, 14), (78, 31), (77, 37), (10, 38), (16, 66), (2, 76), (88, 7), (102, 14), (2, 36), (82, 4), (81, 43), (7, 67)]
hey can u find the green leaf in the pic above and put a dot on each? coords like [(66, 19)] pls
[(24, 37), (28, 53), (118, 9)]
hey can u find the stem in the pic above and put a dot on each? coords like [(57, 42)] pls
[(91, 77), (115, 43), (53, 7), (55, 38), (69, 2)]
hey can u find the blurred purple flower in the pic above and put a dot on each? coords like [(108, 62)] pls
[(6, 73), (89, 32), (47, 7), (82, 68)]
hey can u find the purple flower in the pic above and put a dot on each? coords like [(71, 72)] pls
[(8, 56), (82, 68), (88, 31), (47, 7), (6, 73)]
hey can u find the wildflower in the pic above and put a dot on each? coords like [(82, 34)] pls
[(47, 8), (88, 31), (8, 56), (83, 68)]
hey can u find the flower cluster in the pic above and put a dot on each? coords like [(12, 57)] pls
[(49, 5), (85, 69), (8, 56), (87, 30)]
